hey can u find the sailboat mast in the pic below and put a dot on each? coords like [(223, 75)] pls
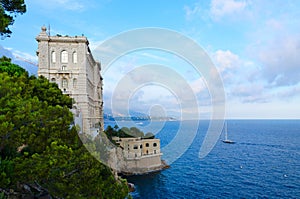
[(225, 130), (226, 136)]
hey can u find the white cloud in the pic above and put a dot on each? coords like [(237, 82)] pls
[(241, 77), (198, 85), (276, 46), (249, 92), (94, 44), (275, 76), (289, 92), (228, 64), (191, 12), (274, 24), (226, 60), (23, 56), (281, 61), (72, 5), (155, 57), (218, 9), (221, 8)]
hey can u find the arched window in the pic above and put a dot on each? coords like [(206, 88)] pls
[(53, 80), (74, 82), (64, 56), (154, 144), (147, 144), (64, 83), (74, 57), (53, 56)]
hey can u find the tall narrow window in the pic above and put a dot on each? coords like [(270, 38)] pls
[(75, 57), (64, 83), (53, 56), (74, 82), (64, 56)]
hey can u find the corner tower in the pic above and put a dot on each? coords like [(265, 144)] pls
[(68, 62)]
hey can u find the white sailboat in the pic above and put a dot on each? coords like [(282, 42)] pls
[(226, 140)]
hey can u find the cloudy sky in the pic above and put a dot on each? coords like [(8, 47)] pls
[(254, 44)]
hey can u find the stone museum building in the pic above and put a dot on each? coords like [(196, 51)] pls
[(69, 63)]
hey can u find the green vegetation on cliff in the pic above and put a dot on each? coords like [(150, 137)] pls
[(126, 132), (40, 151)]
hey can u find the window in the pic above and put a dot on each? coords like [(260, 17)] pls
[(64, 68), (75, 57), (64, 83), (154, 144), (147, 144), (74, 82), (53, 80), (141, 146), (53, 56), (64, 56), (135, 147)]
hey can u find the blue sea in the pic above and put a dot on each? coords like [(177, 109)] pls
[(263, 163)]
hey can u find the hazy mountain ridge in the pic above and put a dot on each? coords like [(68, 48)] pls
[(31, 68), (133, 115)]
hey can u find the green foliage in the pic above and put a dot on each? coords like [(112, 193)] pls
[(10, 68), (136, 132), (69, 173), (8, 10), (53, 96), (5, 59), (149, 135), (6, 169), (39, 144), (126, 132)]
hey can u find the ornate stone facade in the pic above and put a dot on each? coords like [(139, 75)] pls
[(68, 61)]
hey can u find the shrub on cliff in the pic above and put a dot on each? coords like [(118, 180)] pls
[(126, 132)]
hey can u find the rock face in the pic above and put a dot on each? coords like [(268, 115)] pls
[(30, 191)]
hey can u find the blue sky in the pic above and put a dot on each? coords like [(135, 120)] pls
[(255, 45)]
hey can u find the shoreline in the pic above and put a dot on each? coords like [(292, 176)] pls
[(162, 167)]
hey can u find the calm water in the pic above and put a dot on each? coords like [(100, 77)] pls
[(264, 163)]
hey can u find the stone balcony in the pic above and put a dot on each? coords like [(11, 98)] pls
[(64, 71)]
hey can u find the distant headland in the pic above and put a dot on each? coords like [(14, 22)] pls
[(110, 117)]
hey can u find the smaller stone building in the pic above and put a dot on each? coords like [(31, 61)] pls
[(139, 155)]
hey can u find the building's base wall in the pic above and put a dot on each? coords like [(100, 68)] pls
[(134, 166)]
